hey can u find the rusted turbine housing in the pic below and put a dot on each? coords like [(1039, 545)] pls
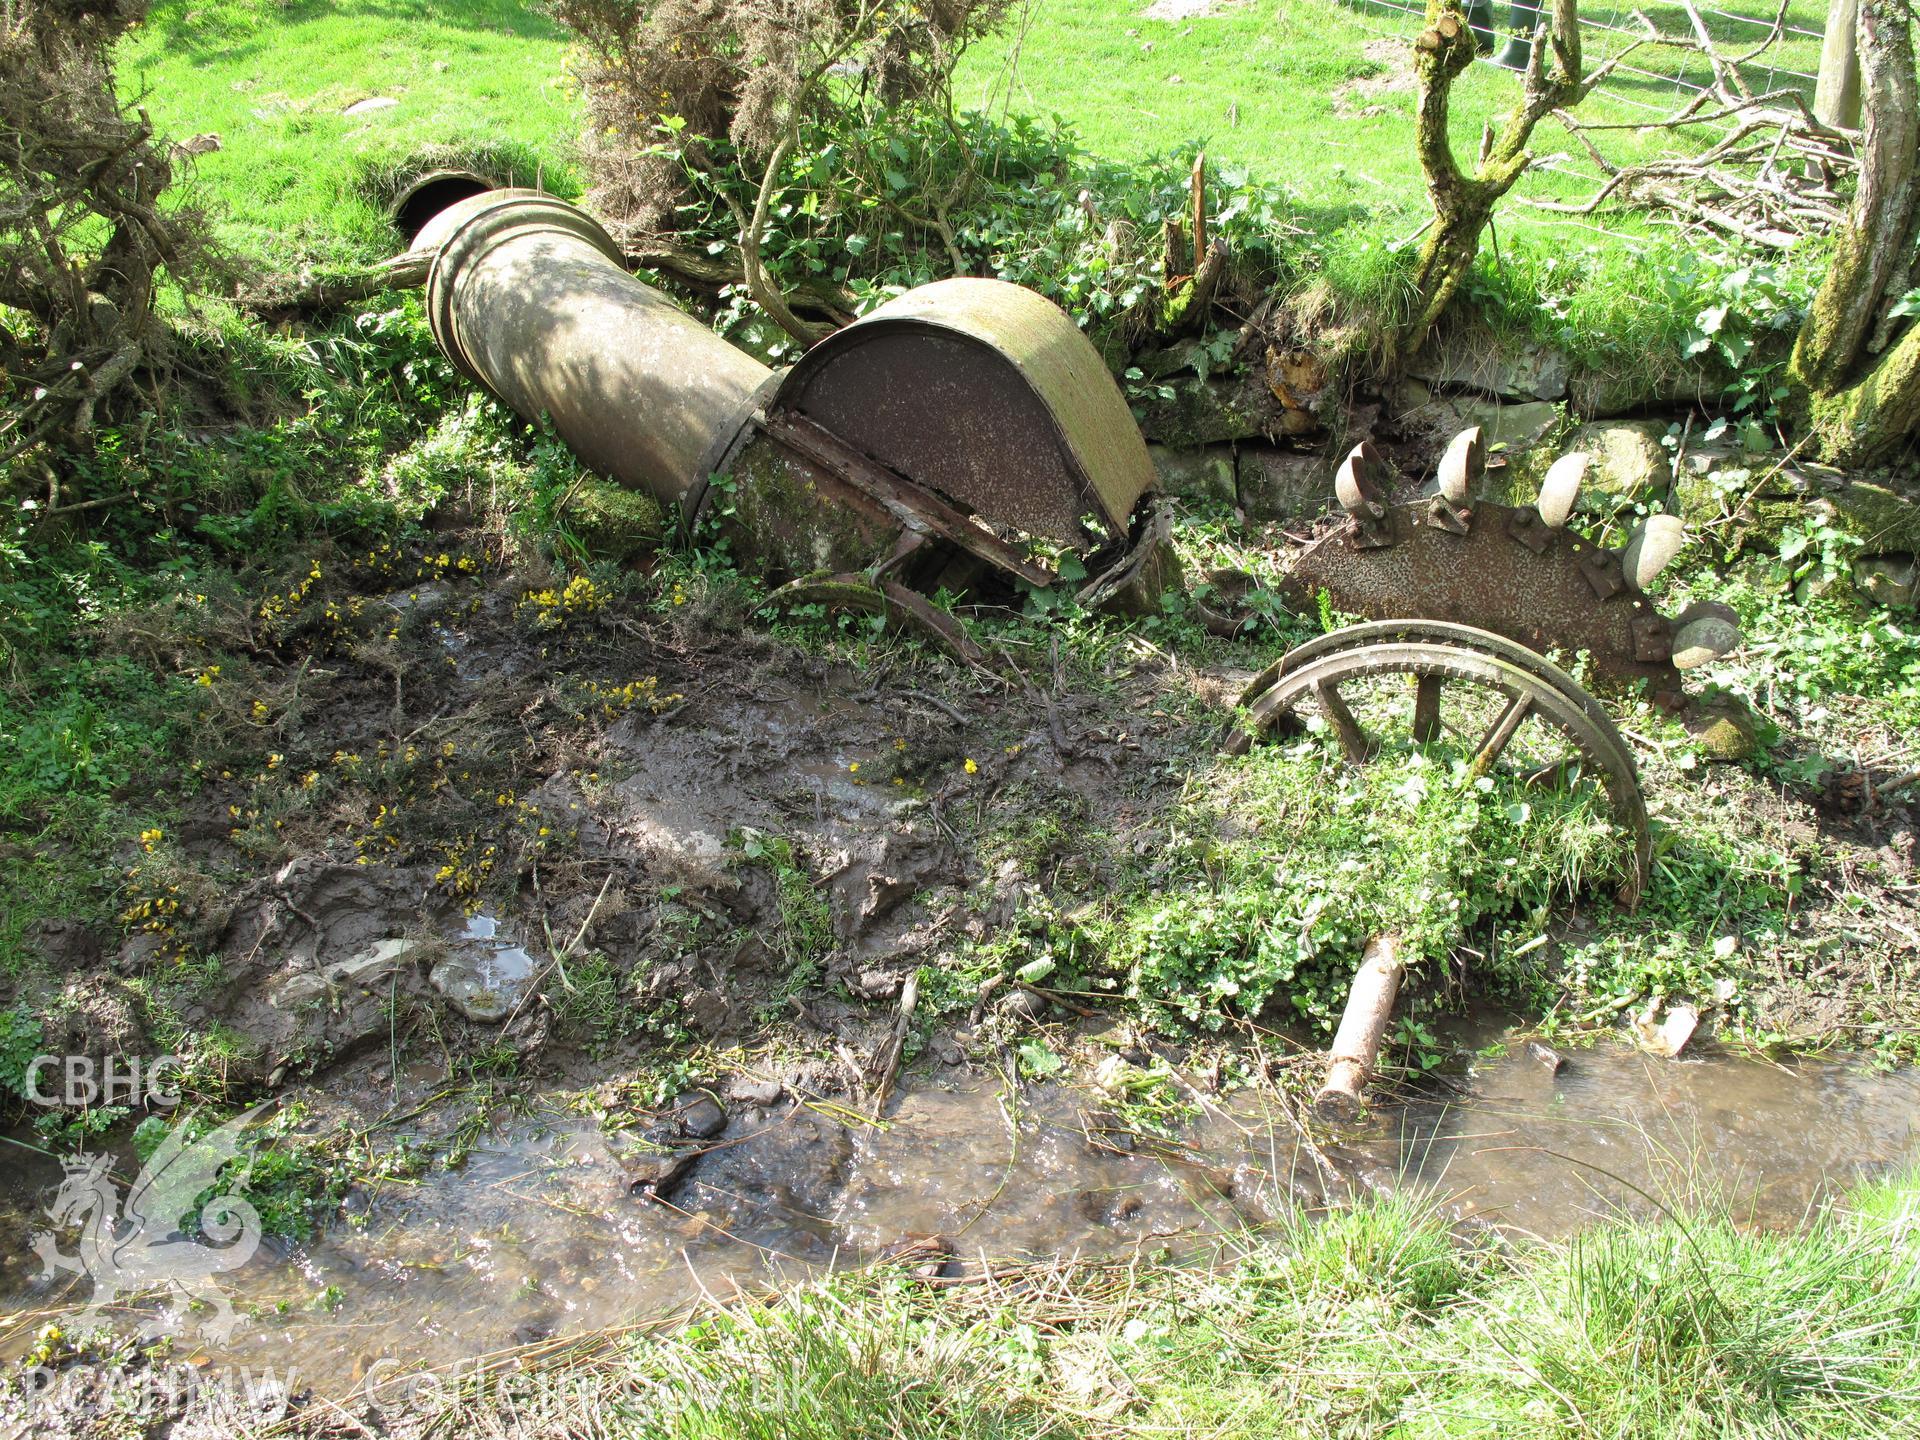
[(954, 435)]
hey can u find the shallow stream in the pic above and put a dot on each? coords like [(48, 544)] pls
[(539, 1235)]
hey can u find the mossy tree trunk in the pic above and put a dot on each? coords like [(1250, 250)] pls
[(1861, 377), (1462, 202)]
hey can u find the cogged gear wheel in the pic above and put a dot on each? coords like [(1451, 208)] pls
[(1517, 571)]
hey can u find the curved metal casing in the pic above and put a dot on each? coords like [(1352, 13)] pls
[(531, 298), (938, 435), (989, 394)]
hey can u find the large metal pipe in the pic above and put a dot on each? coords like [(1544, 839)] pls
[(531, 298), (953, 439)]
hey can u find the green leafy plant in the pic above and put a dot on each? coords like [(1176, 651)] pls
[(20, 1042)]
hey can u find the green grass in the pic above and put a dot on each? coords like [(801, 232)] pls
[(1374, 1322), (297, 178), (1316, 186), (1259, 83), (1280, 866)]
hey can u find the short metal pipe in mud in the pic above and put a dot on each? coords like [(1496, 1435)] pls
[(531, 298), (1363, 1029)]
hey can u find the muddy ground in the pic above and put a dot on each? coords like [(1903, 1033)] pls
[(463, 831), (573, 931), (604, 779)]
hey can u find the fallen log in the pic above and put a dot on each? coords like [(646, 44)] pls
[(282, 297)]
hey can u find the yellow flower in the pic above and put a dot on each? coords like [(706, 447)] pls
[(854, 768), (259, 709), (972, 769), (149, 839)]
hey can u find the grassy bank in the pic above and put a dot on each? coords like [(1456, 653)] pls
[(297, 178), (1318, 94), (349, 650), (1307, 104), (137, 647), (1313, 94), (1372, 1322)]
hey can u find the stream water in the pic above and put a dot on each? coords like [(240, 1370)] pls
[(538, 1235)]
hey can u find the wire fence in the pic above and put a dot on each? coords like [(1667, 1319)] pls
[(1775, 53)]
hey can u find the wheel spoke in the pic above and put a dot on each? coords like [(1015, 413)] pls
[(1353, 739), (1426, 709), (1463, 679), (1501, 733)]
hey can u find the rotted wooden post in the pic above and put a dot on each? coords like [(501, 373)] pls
[(1363, 1028)]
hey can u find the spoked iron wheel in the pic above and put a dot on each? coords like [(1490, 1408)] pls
[(1493, 701), (1424, 681)]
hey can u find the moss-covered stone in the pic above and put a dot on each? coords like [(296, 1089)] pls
[(1599, 393), (1208, 412), (1276, 484), (1203, 474), (1884, 519), (1725, 729), (1629, 459), (1469, 355)]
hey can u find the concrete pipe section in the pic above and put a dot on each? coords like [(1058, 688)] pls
[(962, 436), (530, 298)]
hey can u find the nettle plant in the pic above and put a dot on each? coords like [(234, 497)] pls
[(1749, 327)]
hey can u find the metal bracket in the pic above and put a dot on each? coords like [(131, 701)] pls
[(1652, 639), (915, 509), (1370, 528), (1526, 526), (1454, 519), (1602, 569)]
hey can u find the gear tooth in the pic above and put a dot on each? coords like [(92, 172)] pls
[(1354, 483), (1699, 641), (1656, 540), (1560, 490), (1462, 466)]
